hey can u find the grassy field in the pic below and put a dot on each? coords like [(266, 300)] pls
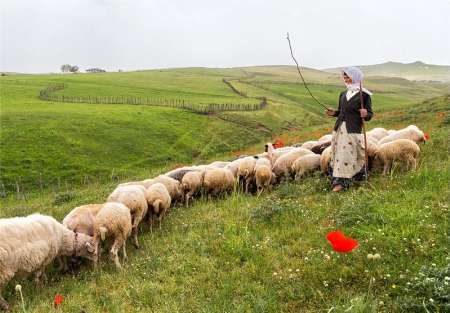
[(241, 253)]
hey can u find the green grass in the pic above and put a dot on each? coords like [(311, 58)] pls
[(242, 253)]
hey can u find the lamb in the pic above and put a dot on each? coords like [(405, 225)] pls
[(411, 132), (403, 150), (173, 186), (159, 200), (378, 133), (325, 138), (283, 165), (191, 184), (246, 171), (263, 177), (133, 197), (30, 243), (325, 159), (217, 181), (310, 144), (218, 164), (112, 221), (81, 219), (305, 164)]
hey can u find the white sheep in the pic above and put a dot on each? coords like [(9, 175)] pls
[(305, 164), (411, 132), (217, 181), (159, 200), (191, 184), (218, 164), (276, 153), (403, 150), (264, 177), (172, 185), (325, 138), (246, 171), (310, 144), (81, 219), (378, 133), (283, 165), (133, 197), (233, 166), (28, 244), (112, 221), (325, 159)]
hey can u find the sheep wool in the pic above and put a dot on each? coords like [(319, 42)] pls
[(133, 197), (217, 181), (283, 165), (402, 150), (30, 243), (112, 221), (81, 219), (158, 199), (411, 132), (191, 184), (305, 164)]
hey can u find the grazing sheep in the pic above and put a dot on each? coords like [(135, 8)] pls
[(326, 137), (191, 184), (246, 171), (305, 164), (263, 177), (403, 150), (218, 164), (310, 144), (217, 181), (411, 132), (158, 199), (234, 166), (178, 173), (283, 165), (112, 221), (28, 244), (133, 197), (277, 153), (173, 186), (319, 148), (325, 159), (378, 133), (81, 219)]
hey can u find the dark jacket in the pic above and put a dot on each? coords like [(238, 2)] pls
[(348, 111)]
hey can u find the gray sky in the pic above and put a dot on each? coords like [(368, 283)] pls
[(39, 36)]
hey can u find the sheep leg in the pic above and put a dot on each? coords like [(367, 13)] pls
[(260, 192), (124, 252), (40, 277), (114, 253), (97, 254), (3, 304), (386, 167)]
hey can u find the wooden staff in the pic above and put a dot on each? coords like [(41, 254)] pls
[(364, 131)]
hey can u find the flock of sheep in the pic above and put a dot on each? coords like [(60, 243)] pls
[(31, 243)]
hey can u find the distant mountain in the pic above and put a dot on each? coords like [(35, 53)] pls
[(412, 71)]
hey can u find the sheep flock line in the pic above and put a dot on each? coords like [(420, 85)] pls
[(29, 244)]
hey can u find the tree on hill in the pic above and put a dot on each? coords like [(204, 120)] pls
[(74, 68), (65, 68), (95, 70)]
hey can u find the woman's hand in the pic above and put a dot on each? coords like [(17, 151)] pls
[(330, 112), (363, 112)]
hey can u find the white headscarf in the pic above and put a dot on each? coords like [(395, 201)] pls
[(357, 77)]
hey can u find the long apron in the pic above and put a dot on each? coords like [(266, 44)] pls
[(347, 153)]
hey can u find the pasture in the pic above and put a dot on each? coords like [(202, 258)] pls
[(240, 253)]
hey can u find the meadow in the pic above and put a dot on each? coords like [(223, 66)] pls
[(240, 253)]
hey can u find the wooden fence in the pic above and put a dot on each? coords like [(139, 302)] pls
[(49, 95)]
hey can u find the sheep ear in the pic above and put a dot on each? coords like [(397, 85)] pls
[(89, 247)]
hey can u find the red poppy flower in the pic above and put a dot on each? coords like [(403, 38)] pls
[(278, 144), (340, 243), (426, 136), (58, 300)]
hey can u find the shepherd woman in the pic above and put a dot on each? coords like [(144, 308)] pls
[(347, 145)]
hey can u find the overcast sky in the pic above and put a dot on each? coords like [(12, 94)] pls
[(39, 36)]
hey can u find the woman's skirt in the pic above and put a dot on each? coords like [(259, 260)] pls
[(347, 157)]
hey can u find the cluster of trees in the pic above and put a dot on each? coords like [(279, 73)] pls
[(65, 68)]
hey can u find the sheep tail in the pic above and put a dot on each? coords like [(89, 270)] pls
[(157, 205)]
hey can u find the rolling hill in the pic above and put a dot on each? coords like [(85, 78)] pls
[(418, 70), (241, 253)]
